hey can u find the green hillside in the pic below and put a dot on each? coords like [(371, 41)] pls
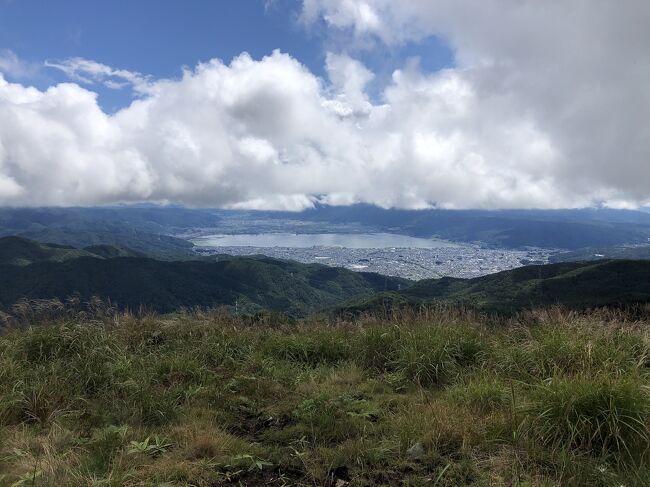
[(110, 251), (42, 271), (147, 230), (21, 251), (574, 285), (251, 284), (118, 235), (603, 253)]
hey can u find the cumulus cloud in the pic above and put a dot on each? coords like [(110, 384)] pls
[(348, 79), (548, 105), (573, 75)]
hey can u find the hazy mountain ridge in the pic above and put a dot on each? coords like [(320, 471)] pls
[(147, 230), (562, 229), (603, 253), (153, 230)]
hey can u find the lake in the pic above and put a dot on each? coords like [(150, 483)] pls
[(304, 240)]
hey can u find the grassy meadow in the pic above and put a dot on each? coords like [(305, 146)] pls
[(441, 397)]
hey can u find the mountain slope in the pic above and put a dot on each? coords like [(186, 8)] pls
[(641, 252), (147, 230), (117, 235), (251, 283), (574, 285), (21, 251), (33, 270)]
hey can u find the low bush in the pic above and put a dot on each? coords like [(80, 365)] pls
[(602, 416)]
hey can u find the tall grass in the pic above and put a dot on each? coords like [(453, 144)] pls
[(437, 397), (603, 416)]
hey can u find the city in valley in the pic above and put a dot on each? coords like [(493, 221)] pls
[(455, 260)]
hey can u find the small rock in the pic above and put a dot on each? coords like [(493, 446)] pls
[(338, 477), (416, 451)]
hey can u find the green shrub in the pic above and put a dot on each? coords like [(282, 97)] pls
[(103, 446), (327, 419), (432, 355), (310, 349), (376, 348), (45, 343), (483, 393), (225, 349), (562, 350), (603, 416), (179, 369)]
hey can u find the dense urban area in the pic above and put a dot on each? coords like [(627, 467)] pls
[(463, 261)]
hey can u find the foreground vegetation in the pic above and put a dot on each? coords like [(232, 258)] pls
[(440, 397)]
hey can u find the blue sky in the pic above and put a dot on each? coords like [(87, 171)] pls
[(159, 37)]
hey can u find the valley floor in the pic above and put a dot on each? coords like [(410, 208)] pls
[(442, 397), (464, 261)]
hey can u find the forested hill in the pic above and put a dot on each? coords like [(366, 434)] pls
[(33, 270), (573, 285), (21, 251), (143, 229), (251, 283)]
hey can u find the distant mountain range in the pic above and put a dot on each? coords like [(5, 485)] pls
[(561, 229), (154, 230), (147, 230), (38, 271), (604, 253)]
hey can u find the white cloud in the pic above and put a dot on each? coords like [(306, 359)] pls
[(12, 65), (359, 15), (547, 106), (90, 72), (575, 73), (348, 79)]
